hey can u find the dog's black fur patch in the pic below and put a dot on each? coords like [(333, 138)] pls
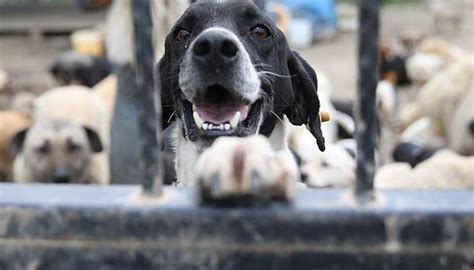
[(71, 67), (413, 153)]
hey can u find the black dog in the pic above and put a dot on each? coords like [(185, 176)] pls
[(228, 71), (72, 67)]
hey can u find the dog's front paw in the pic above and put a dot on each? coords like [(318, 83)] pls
[(246, 170)]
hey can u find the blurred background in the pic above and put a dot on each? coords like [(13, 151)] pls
[(33, 34)]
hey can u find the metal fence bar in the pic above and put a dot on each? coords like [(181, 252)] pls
[(365, 110), (149, 117)]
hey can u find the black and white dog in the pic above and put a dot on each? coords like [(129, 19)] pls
[(228, 72)]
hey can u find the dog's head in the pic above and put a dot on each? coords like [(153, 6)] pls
[(76, 68), (57, 152), (228, 71)]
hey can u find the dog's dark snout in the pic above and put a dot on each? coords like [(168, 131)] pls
[(213, 47), (61, 176)]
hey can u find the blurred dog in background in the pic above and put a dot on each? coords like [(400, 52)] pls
[(69, 136), (57, 152)]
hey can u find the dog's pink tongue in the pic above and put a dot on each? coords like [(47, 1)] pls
[(221, 113)]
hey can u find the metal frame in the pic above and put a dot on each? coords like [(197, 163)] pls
[(365, 110), (59, 227), (150, 114)]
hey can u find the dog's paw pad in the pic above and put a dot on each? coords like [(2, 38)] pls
[(246, 169)]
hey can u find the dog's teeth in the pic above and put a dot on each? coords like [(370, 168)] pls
[(235, 120), (211, 126), (194, 108), (198, 120)]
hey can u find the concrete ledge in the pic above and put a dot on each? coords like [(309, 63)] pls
[(87, 227)]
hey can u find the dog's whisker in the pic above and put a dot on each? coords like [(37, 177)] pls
[(277, 117), (171, 117), (266, 79), (275, 74)]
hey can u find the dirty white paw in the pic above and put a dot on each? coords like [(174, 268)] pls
[(246, 169)]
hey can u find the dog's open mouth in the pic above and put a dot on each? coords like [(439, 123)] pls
[(215, 116), (219, 112)]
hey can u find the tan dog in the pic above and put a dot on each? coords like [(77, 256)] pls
[(76, 104), (82, 106), (107, 90), (56, 152), (446, 101), (432, 56), (10, 123), (445, 170)]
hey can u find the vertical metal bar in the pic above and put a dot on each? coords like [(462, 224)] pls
[(365, 110), (149, 117)]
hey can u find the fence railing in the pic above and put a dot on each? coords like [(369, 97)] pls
[(150, 115), (365, 106)]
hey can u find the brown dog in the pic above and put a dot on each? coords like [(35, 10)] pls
[(66, 117), (10, 123), (56, 152)]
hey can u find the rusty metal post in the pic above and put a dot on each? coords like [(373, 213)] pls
[(365, 108), (149, 116)]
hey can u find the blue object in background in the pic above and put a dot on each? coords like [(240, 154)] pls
[(322, 13)]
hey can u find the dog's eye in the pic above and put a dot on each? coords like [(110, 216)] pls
[(72, 147), (43, 149), (260, 32), (182, 35)]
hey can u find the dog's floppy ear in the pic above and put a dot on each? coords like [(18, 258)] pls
[(94, 140), (305, 107), (16, 143)]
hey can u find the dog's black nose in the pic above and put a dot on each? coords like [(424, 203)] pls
[(213, 47), (471, 128), (61, 176)]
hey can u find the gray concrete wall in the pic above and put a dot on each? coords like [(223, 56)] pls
[(74, 227)]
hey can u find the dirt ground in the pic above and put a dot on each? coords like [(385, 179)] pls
[(27, 60)]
